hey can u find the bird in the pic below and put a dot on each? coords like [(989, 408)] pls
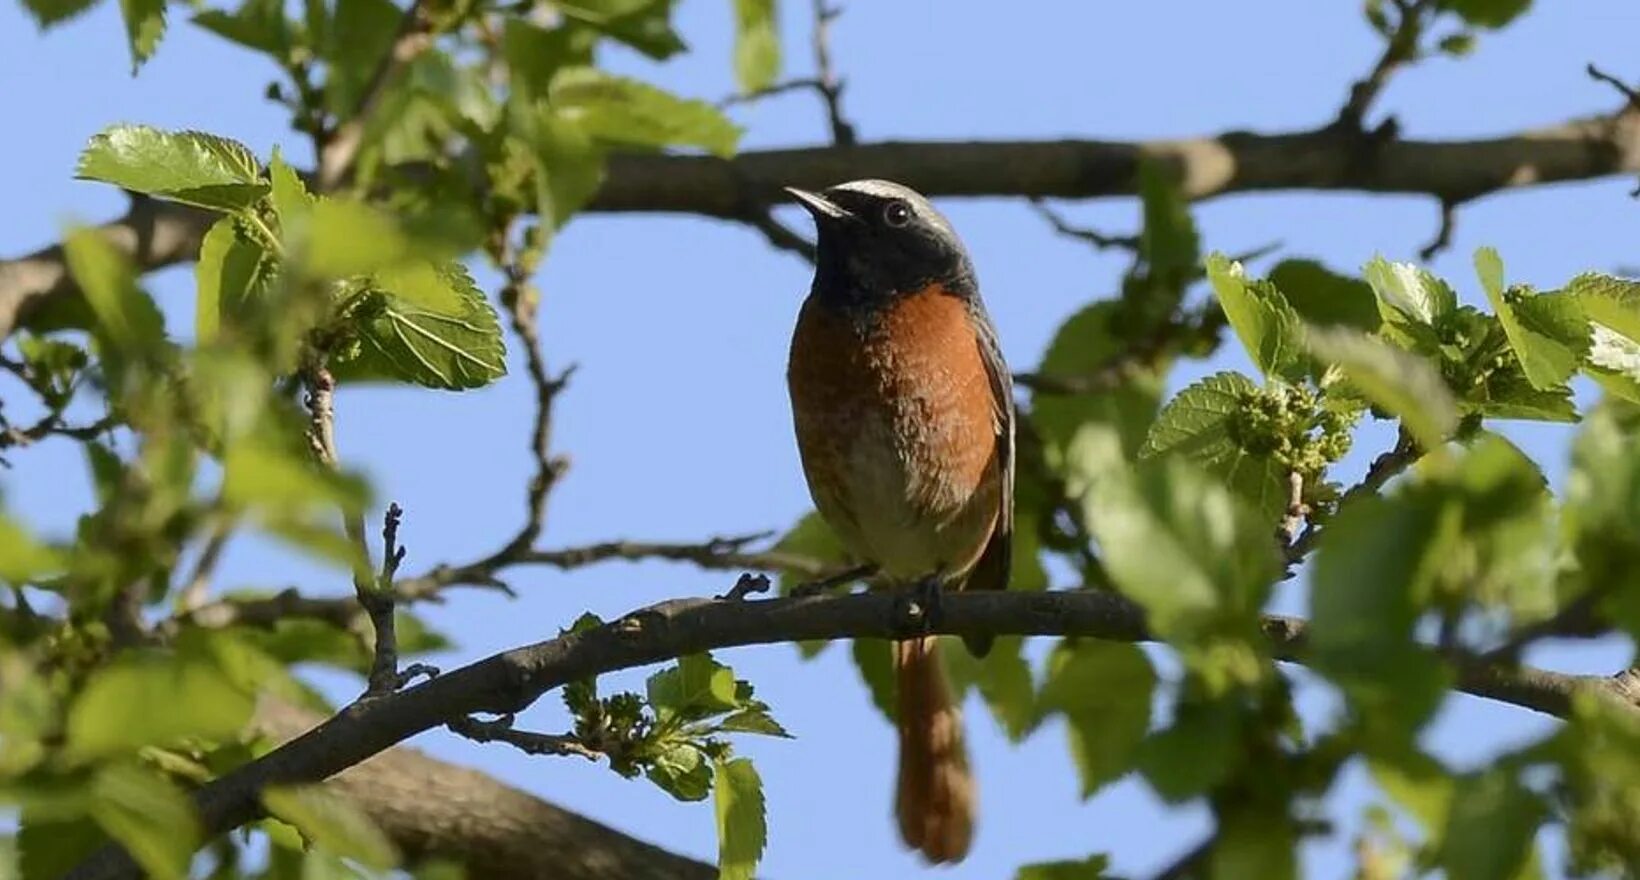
[(904, 416)]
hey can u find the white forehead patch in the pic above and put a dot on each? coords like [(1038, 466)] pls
[(888, 189)]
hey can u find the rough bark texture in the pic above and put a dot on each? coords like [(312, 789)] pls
[(512, 680), (159, 234), (433, 809)]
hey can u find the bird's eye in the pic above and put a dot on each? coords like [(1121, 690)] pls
[(897, 213)]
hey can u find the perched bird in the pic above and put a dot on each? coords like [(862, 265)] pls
[(905, 423)]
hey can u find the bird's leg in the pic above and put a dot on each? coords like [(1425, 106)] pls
[(919, 607)]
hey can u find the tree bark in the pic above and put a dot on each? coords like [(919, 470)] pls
[(157, 234), (431, 809)]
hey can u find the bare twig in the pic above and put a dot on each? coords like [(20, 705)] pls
[(829, 86), (778, 234), (1062, 225), (1383, 469), (502, 730), (199, 581), (510, 681), (747, 585), (1443, 235), (1400, 48), (1629, 93)]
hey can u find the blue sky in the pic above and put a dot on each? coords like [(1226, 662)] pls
[(677, 423)]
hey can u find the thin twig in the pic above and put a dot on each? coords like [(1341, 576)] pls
[(1383, 469), (1401, 48), (1629, 93), (1293, 518), (1443, 235), (829, 86), (502, 730), (199, 580), (777, 233), (1062, 225), (1576, 618)]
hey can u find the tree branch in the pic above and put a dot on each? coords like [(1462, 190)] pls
[(164, 234), (508, 682), (339, 148), (434, 810)]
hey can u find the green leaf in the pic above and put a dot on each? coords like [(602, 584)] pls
[(340, 238), (1078, 430), (1169, 242), (1004, 680), (1202, 424), (188, 166), (1418, 784), (290, 196), (1090, 868), (150, 816), (626, 111), (48, 13), (753, 721), (233, 273), (811, 538), (1196, 753), (429, 325), (1325, 298), (681, 771), (757, 45), (257, 24), (1612, 301), (258, 474), (1266, 325), (569, 166), (742, 831), (330, 821), (1490, 827), (696, 687), (874, 659), (126, 317), (1508, 394), (145, 699), (23, 559), (144, 26), (1372, 580), (1178, 543), (48, 849), (1104, 690), (642, 24), (1254, 845), (1400, 383), (1549, 334), (1488, 13), (1408, 294), (361, 34)]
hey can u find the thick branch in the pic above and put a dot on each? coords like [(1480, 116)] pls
[(434, 810), (510, 681), (1235, 162)]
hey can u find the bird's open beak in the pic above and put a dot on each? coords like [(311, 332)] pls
[(821, 207)]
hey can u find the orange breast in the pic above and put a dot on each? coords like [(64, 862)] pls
[(897, 426)]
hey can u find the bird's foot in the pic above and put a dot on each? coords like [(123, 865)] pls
[(918, 609)]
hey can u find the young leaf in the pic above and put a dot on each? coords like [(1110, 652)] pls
[(1402, 384), (1548, 333), (696, 687), (737, 795), (1326, 298), (1614, 362), (1004, 680), (331, 822), (1488, 13), (233, 272), (1407, 293), (145, 700), (361, 34), (1179, 544), (188, 166), (1104, 690), (1168, 242), (144, 26), (629, 112), (757, 45), (753, 721), (1372, 581), (290, 196), (24, 559), (150, 816), (261, 474), (1266, 325), (429, 325), (126, 317), (1254, 845), (1612, 301), (681, 771), (257, 24), (569, 166), (1201, 425)]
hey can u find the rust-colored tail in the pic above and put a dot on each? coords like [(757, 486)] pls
[(935, 799)]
